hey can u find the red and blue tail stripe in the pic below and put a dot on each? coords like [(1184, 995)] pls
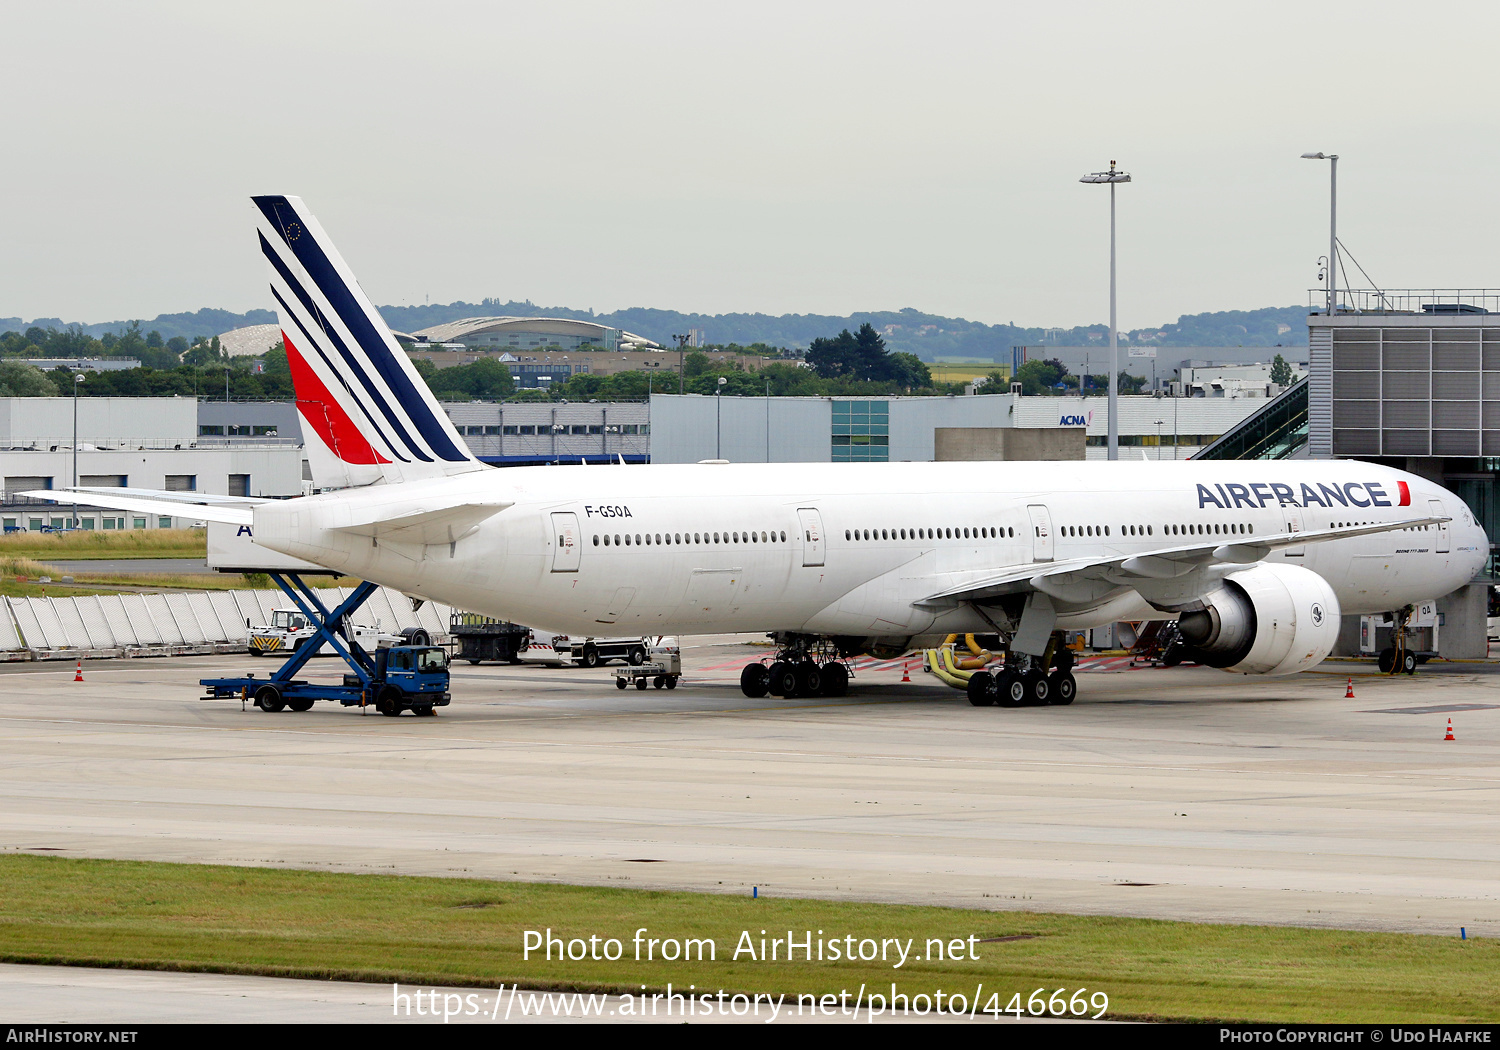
[(366, 406)]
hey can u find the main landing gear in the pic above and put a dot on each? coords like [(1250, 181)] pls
[(1024, 680), (813, 671)]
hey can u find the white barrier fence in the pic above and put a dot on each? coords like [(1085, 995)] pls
[(102, 625)]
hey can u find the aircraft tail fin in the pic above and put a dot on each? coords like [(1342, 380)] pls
[(367, 415)]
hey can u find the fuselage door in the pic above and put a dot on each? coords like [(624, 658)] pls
[(1292, 515), (567, 546), (1438, 511), (1041, 532), (812, 535)]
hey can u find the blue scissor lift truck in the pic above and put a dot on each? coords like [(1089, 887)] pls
[(401, 678)]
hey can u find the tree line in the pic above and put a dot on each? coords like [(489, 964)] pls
[(848, 364)]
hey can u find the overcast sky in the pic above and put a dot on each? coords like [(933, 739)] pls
[(765, 156)]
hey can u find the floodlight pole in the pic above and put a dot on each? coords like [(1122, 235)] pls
[(1333, 224), (1333, 233), (1112, 176), (73, 522), (718, 418)]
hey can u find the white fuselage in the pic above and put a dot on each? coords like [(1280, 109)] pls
[(773, 547)]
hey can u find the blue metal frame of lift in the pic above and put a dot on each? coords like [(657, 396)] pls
[(330, 627)]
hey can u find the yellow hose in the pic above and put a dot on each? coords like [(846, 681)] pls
[(942, 666)]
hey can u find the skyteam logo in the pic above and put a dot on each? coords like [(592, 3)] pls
[(1233, 495)]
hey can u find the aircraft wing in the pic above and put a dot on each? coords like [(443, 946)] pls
[(230, 510), (1057, 579)]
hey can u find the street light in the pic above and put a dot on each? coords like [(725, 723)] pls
[(1333, 222), (1112, 177), (77, 378), (718, 416)]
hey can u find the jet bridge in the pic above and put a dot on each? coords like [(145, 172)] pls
[(1278, 430)]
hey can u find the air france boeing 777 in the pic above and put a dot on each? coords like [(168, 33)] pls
[(1256, 560)]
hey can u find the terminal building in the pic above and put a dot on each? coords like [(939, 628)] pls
[(129, 442), (1410, 380), (686, 429)]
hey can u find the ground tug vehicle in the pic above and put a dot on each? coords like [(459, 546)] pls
[(290, 629)]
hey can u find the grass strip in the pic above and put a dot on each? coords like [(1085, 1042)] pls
[(88, 544), (441, 931)]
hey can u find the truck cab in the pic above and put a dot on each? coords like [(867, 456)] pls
[(410, 677)]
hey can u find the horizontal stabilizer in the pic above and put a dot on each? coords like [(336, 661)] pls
[(441, 525), (206, 499), (155, 503)]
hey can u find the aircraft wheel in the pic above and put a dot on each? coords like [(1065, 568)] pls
[(835, 679), (783, 679), (302, 703), (619, 683), (1010, 689), (268, 698), (1038, 689), (1408, 663), (755, 680), (474, 660), (1386, 660), (981, 689), (1064, 688), (809, 679)]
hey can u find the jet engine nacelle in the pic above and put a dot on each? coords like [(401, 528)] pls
[(1269, 619)]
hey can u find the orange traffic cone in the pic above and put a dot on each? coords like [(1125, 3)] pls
[(78, 674), (1450, 735), (906, 672), (1349, 690)]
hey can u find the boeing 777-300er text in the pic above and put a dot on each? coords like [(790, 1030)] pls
[(1255, 560)]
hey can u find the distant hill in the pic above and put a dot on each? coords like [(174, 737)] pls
[(207, 321), (927, 335)]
